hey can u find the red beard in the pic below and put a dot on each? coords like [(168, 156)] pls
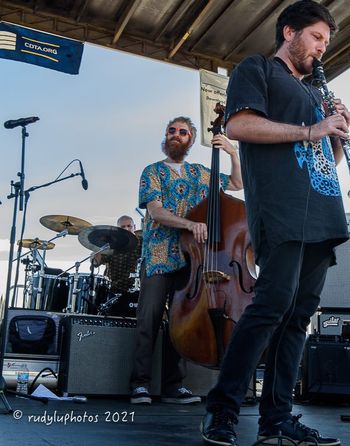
[(175, 149)]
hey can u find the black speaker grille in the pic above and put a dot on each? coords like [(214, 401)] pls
[(103, 321)]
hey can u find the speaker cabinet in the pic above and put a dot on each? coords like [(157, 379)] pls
[(97, 356), (52, 351), (327, 365)]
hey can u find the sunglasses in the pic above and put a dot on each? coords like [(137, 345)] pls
[(182, 132)]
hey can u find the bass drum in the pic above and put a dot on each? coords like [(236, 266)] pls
[(89, 294), (54, 296)]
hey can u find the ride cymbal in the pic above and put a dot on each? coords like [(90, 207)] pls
[(59, 223), (119, 240), (35, 244)]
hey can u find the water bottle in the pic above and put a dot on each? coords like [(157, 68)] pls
[(22, 380)]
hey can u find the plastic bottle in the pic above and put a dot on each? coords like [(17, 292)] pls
[(22, 380)]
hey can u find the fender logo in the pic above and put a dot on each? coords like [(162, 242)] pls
[(81, 335)]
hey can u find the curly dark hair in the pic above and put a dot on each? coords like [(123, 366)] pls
[(301, 14)]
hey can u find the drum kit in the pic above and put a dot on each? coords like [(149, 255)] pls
[(55, 290)]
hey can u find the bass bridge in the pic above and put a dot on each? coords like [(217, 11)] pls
[(211, 277)]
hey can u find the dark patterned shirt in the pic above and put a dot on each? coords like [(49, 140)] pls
[(119, 266)]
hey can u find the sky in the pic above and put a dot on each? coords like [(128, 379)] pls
[(112, 117)]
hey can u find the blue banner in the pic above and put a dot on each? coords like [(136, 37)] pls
[(37, 48)]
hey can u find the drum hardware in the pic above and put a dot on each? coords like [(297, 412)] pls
[(136, 276), (72, 297), (104, 308), (34, 245), (73, 289), (58, 223), (120, 240), (90, 292), (28, 280)]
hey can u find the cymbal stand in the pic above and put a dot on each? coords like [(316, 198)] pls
[(72, 296), (92, 283), (38, 302), (28, 280), (136, 276), (73, 291)]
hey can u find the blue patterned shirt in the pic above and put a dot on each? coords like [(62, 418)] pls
[(178, 193)]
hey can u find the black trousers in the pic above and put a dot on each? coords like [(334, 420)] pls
[(155, 291), (287, 294)]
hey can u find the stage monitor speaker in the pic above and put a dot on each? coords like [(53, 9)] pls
[(28, 320), (97, 356), (336, 290), (326, 368)]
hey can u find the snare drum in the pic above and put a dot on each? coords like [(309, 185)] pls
[(54, 295), (89, 295)]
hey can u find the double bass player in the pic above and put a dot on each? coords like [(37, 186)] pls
[(168, 189)]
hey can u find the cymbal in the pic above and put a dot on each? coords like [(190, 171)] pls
[(138, 233), (59, 223), (95, 237), (35, 244)]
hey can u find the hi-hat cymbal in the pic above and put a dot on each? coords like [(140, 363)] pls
[(35, 244), (119, 240), (59, 223)]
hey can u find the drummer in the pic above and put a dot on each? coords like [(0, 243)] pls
[(119, 266)]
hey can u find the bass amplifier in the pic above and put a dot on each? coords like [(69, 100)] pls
[(326, 367), (97, 356), (331, 322)]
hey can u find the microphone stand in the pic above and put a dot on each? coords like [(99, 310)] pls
[(52, 182), (17, 191), (27, 195)]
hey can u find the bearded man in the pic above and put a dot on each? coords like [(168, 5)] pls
[(168, 190)]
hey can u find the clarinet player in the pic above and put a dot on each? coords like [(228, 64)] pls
[(289, 150)]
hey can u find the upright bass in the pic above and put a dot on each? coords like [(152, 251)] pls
[(221, 273)]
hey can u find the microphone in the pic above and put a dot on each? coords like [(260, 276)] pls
[(84, 182), (21, 121)]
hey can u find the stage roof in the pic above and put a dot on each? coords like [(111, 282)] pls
[(191, 33)]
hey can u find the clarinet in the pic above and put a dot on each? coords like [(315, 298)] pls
[(328, 97)]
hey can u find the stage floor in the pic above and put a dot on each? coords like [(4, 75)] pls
[(117, 422)]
